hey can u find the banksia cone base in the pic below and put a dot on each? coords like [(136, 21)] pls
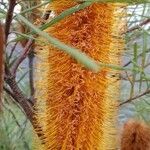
[(76, 108)]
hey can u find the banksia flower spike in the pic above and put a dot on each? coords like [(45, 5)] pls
[(76, 108)]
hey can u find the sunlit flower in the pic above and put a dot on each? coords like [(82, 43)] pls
[(76, 108)]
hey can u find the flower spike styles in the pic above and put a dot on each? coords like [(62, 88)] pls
[(76, 108)]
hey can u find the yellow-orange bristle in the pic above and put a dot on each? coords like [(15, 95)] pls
[(78, 106)]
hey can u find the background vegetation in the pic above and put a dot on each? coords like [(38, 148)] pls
[(21, 19)]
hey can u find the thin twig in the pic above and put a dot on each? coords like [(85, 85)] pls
[(22, 56), (31, 79), (23, 128), (13, 115), (17, 122), (138, 26), (12, 4), (12, 50), (129, 62), (135, 97)]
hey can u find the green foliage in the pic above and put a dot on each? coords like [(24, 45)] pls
[(15, 129), (135, 84)]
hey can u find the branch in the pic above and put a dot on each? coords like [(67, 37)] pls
[(18, 95), (12, 4), (31, 79), (13, 98), (136, 97), (12, 51), (138, 26), (24, 54)]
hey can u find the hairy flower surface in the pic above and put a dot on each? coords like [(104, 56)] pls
[(76, 108)]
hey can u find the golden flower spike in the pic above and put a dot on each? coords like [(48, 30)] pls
[(76, 108)]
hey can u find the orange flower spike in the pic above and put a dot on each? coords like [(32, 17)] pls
[(76, 107)]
